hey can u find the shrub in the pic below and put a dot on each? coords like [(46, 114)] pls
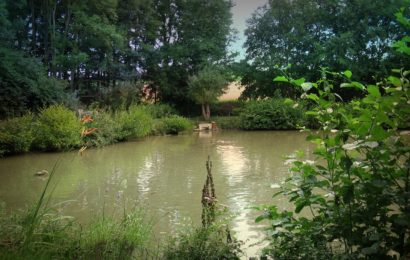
[(57, 128), (228, 122), (134, 123), (172, 125), (107, 131), (357, 189), (160, 110), (272, 114), (16, 135)]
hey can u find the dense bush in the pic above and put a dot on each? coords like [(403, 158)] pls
[(227, 122), (133, 123), (57, 128), (277, 114), (172, 125), (160, 110), (107, 132), (16, 135), (357, 189)]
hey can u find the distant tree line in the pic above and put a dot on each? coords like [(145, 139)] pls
[(50, 46), (310, 34)]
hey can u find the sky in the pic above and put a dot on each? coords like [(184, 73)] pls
[(242, 11)]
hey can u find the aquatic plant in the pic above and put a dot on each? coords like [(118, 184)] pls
[(213, 240)]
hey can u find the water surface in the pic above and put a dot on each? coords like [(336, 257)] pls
[(163, 174)]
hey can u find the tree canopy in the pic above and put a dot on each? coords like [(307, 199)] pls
[(91, 46), (310, 34), (205, 88)]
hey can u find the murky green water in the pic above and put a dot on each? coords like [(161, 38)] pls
[(165, 175)]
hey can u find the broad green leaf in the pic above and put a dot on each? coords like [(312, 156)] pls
[(288, 101), (379, 134), (348, 74), (260, 218), (298, 82), (300, 205), (374, 91), (280, 79), (353, 84), (394, 80), (313, 97), (306, 86), (358, 85)]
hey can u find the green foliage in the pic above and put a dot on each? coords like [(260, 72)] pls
[(133, 123), (228, 122), (202, 243), (356, 192), (98, 46), (403, 44), (57, 128), (62, 237), (24, 84), (111, 239), (205, 88), (160, 110), (42, 233), (122, 95), (107, 129), (227, 108), (275, 114), (172, 125), (16, 135), (310, 34)]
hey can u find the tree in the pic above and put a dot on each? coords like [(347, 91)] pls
[(317, 33), (205, 88), (190, 34)]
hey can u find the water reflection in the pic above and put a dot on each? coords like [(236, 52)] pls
[(163, 174)]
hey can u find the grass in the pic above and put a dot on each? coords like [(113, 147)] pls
[(42, 233)]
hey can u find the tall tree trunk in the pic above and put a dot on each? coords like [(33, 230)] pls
[(208, 112), (203, 111)]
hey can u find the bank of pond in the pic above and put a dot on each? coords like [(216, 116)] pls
[(57, 128)]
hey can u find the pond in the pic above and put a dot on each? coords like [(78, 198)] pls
[(164, 174)]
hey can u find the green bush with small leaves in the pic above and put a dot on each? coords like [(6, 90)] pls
[(107, 130), (172, 125), (133, 123), (273, 114), (57, 128), (16, 135)]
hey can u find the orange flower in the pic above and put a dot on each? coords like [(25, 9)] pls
[(86, 119), (88, 131)]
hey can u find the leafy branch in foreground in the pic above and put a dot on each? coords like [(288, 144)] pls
[(354, 200)]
